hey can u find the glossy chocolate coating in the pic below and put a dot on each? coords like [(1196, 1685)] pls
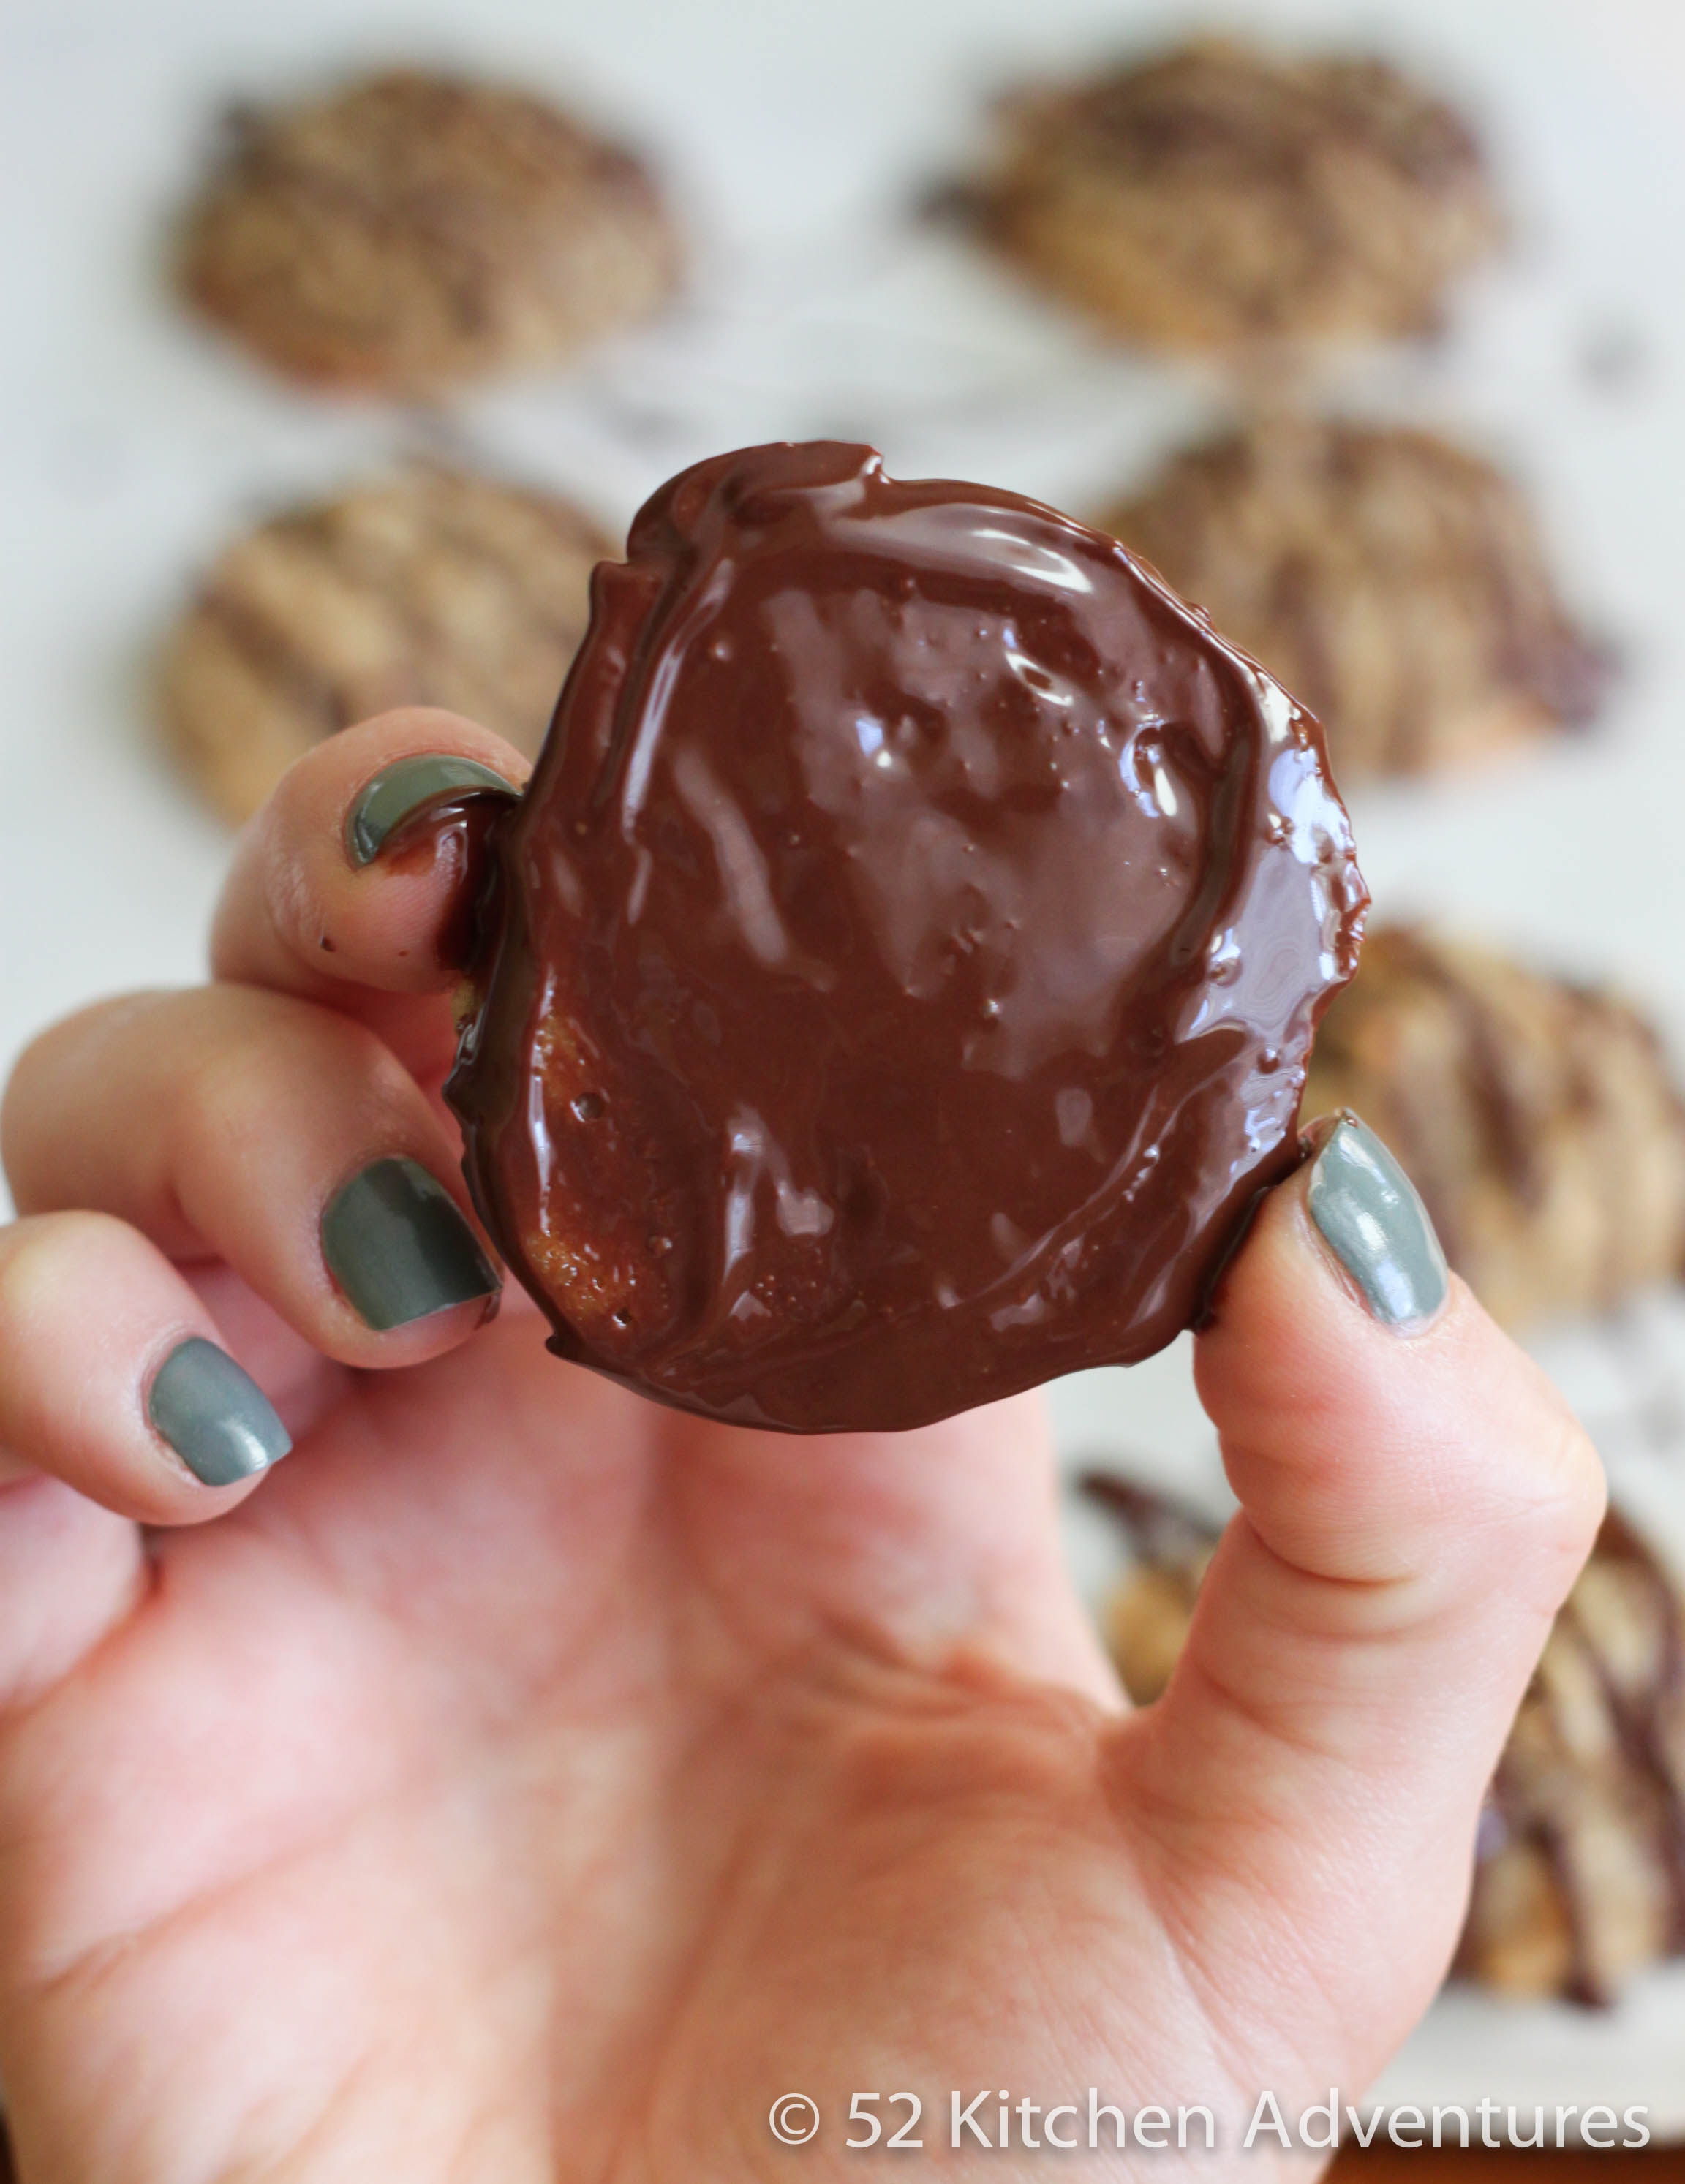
[(903, 962)]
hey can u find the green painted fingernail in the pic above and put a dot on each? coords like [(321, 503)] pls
[(403, 788), (398, 1247), (1368, 1210), (214, 1415)]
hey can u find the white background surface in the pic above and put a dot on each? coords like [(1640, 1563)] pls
[(795, 134)]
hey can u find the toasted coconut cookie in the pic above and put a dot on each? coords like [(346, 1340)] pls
[(432, 587), (409, 233), (1539, 1119), (1214, 196), (1397, 584), (1580, 1872)]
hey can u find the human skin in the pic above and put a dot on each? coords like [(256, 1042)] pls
[(524, 1782)]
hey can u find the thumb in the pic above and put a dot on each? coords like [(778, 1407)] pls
[(1416, 1501)]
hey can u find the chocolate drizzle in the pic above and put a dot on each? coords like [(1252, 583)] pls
[(1611, 1695), (1159, 1527), (907, 954), (1213, 105)]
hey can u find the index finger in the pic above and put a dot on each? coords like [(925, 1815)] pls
[(312, 905)]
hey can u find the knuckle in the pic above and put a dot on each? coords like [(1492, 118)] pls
[(43, 1260), (1574, 1490), (76, 1049)]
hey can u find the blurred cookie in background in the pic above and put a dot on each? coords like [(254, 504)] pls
[(1580, 1871), (1579, 1874), (1216, 195), (409, 233), (1539, 1119), (1145, 1616), (1397, 584), (433, 587)]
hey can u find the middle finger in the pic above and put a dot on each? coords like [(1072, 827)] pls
[(272, 1134)]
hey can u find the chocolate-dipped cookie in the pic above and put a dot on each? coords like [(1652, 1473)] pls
[(1539, 1120), (434, 587), (411, 232), (1395, 583), (1580, 1865), (899, 972), (1216, 196)]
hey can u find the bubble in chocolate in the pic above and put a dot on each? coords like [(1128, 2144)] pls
[(898, 977)]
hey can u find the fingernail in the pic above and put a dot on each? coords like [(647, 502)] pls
[(1368, 1212), (396, 1245), (214, 1415), (404, 787)]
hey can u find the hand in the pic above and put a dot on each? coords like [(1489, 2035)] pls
[(525, 1782)]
